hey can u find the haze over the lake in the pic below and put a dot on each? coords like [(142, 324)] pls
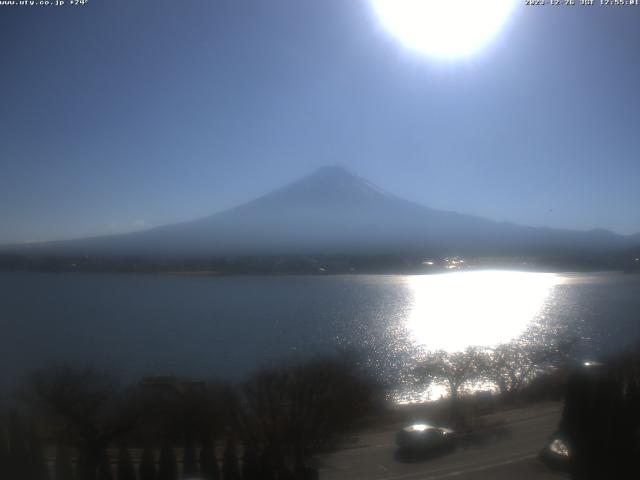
[(121, 115)]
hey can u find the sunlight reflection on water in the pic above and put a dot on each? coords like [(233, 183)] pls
[(454, 310)]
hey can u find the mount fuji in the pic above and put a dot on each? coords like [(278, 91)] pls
[(333, 211)]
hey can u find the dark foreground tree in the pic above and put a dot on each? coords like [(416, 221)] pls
[(18, 452), (4, 453), (126, 470), (63, 469), (269, 464), (22, 453), (38, 469), (168, 468), (294, 413), (601, 418), (147, 467), (209, 469), (177, 411), (86, 405), (230, 468), (104, 468), (190, 460), (250, 463)]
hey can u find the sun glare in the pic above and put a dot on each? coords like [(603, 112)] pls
[(452, 311), (443, 28)]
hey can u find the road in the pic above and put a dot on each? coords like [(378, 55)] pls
[(507, 451)]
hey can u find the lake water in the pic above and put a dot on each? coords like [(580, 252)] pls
[(228, 326)]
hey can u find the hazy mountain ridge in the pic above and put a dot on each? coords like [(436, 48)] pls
[(335, 212)]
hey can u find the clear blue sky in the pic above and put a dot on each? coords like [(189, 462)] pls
[(125, 114)]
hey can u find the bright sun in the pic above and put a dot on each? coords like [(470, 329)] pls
[(444, 28)]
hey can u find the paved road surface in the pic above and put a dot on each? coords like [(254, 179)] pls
[(506, 452)]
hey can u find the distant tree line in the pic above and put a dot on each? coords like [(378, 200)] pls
[(317, 264)]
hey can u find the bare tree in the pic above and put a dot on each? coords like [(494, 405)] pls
[(510, 366), (104, 468), (4, 453), (230, 467), (209, 468), (295, 412), (63, 469), (542, 348), (183, 411), (87, 408), (38, 463), (126, 469), (454, 369), (167, 463), (22, 453), (147, 467), (189, 459)]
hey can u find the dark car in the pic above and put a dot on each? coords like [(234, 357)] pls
[(421, 437)]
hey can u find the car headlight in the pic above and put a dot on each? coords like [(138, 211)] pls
[(559, 447)]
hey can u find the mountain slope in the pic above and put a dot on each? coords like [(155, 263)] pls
[(334, 211)]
